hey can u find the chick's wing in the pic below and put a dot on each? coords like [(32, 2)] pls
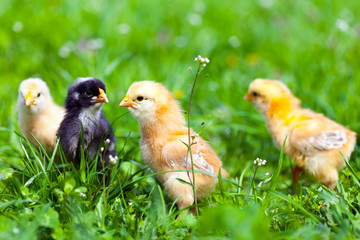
[(176, 155), (317, 134)]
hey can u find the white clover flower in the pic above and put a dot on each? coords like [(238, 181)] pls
[(113, 160), (16, 230), (102, 149), (82, 194)]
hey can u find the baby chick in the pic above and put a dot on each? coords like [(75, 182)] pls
[(314, 141), (38, 115), (163, 134), (85, 124)]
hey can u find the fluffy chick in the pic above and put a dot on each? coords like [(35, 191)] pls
[(38, 115), (163, 132), (85, 124), (314, 141)]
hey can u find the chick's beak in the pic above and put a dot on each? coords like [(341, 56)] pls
[(126, 102), (248, 97), (29, 100), (102, 98)]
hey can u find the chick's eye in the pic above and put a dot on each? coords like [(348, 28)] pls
[(39, 95), (140, 98), (88, 93), (255, 94)]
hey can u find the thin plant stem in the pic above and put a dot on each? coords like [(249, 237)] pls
[(190, 143), (253, 179)]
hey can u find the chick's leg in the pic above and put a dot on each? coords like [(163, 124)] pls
[(296, 170)]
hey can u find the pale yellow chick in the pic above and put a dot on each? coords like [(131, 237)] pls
[(314, 141), (163, 132), (39, 116)]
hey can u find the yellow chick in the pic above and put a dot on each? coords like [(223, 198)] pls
[(163, 134), (314, 141), (38, 115)]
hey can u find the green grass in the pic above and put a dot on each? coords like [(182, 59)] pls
[(298, 42)]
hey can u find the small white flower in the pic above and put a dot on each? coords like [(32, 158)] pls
[(124, 28), (204, 65), (189, 68), (15, 230), (102, 149), (196, 59), (267, 174), (107, 141), (95, 44), (113, 160), (199, 6), (259, 162), (194, 19), (342, 25), (254, 162), (82, 194), (266, 3), (18, 26), (65, 50), (130, 203)]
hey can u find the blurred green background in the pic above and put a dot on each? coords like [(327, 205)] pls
[(312, 46)]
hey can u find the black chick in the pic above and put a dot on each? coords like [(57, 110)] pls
[(83, 110)]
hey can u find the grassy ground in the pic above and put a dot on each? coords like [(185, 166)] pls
[(312, 46)]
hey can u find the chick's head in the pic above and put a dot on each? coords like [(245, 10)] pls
[(34, 95), (265, 93), (148, 100), (85, 93)]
